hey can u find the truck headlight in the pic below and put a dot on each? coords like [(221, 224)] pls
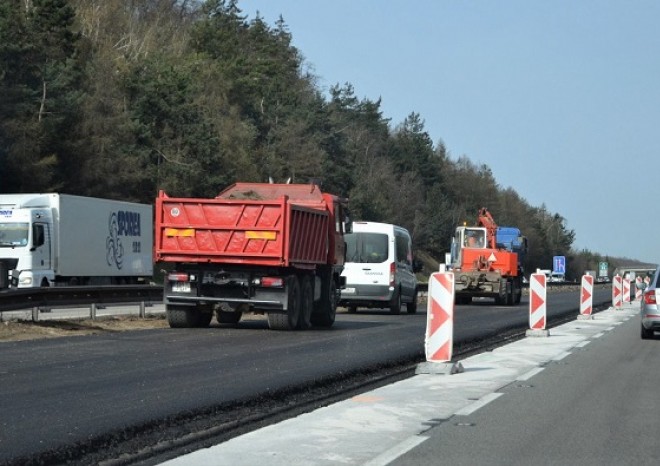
[(25, 280)]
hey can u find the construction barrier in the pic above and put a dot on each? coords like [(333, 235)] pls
[(617, 292), (587, 295), (626, 290), (439, 340), (537, 301)]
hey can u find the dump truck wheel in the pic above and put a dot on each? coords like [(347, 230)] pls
[(289, 319), (306, 303), (182, 317), (326, 310)]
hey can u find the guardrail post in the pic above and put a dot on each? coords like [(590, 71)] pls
[(35, 314), (92, 311), (142, 310)]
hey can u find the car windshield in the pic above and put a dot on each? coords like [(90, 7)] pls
[(366, 247), (13, 234)]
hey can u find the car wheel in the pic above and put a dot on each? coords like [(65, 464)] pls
[(646, 334)]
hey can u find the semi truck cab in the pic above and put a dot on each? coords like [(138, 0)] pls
[(26, 246)]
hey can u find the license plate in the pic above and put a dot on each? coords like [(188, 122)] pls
[(181, 287), (348, 290)]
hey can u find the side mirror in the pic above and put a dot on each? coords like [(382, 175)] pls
[(640, 286)]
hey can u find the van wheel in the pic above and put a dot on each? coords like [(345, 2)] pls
[(395, 306), (411, 307)]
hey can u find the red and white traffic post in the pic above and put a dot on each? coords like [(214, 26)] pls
[(537, 306), (626, 290), (617, 292), (439, 339), (586, 298)]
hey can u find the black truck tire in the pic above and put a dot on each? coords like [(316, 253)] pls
[(288, 320), (182, 317), (306, 302), (325, 309)]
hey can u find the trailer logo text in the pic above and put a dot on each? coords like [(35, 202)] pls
[(121, 224)]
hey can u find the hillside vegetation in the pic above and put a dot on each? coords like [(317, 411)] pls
[(120, 99)]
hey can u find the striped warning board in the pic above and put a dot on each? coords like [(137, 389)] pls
[(617, 292), (587, 295), (626, 290), (439, 341), (537, 301)]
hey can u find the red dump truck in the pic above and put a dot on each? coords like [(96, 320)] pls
[(266, 248)]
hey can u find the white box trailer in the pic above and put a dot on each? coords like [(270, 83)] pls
[(49, 239)]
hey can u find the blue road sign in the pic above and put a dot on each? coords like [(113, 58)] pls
[(559, 264)]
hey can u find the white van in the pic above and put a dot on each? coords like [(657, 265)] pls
[(379, 268)]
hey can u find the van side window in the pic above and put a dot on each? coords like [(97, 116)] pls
[(403, 249)]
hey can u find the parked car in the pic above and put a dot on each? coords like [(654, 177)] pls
[(649, 306)]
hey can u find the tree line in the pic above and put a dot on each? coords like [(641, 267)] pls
[(122, 98)]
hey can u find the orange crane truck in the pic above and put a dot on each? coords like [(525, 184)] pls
[(276, 249), (487, 261)]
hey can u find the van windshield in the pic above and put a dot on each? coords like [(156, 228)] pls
[(13, 234), (368, 248)]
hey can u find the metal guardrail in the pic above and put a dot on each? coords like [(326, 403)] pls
[(44, 299)]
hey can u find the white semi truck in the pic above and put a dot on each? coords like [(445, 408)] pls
[(59, 239)]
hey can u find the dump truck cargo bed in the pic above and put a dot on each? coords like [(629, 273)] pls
[(248, 224)]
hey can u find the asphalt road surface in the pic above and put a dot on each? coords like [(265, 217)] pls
[(584, 395), (66, 395), (598, 406)]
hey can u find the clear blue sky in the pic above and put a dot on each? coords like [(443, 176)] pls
[(561, 99)]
